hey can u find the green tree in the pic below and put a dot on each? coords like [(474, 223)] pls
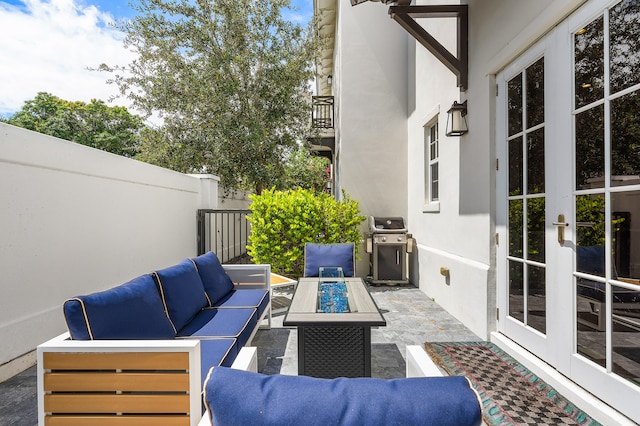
[(229, 78), (95, 124), (306, 171)]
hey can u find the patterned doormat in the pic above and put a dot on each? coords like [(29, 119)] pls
[(511, 394)]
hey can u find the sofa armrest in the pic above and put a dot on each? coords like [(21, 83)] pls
[(249, 275), (111, 377), (420, 364)]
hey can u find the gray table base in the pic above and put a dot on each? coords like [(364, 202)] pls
[(334, 351)]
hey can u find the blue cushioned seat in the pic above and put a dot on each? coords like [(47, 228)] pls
[(132, 310), (212, 322), (245, 298), (318, 255), (215, 280), (181, 291), (242, 397), (215, 353)]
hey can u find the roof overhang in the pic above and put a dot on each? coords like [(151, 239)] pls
[(325, 15)]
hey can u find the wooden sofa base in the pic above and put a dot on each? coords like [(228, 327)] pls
[(123, 382)]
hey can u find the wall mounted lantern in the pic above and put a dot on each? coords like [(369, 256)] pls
[(457, 119), (329, 79)]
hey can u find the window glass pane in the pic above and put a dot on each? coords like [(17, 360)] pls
[(434, 182), (625, 338), (535, 94), (624, 41), (514, 99), (535, 229), (515, 166), (589, 63), (625, 229), (535, 162), (625, 140), (590, 234), (516, 290), (536, 298), (515, 228), (591, 326), (590, 148)]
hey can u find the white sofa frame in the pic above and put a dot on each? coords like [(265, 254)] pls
[(247, 276)]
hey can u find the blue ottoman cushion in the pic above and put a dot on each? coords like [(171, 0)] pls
[(242, 397), (132, 310), (182, 292), (215, 280)]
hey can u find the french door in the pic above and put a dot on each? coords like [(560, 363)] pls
[(568, 200)]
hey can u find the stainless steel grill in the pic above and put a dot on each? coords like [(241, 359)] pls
[(388, 244)]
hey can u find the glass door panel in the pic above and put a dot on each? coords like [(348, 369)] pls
[(607, 191), (526, 197)]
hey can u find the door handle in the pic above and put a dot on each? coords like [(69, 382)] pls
[(560, 224)]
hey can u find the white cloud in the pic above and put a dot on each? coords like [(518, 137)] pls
[(47, 46)]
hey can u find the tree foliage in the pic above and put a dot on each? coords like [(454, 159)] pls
[(306, 171), (229, 78), (95, 124)]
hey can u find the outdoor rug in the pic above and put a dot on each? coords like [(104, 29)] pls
[(510, 394)]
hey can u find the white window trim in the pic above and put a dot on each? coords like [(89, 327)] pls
[(429, 120)]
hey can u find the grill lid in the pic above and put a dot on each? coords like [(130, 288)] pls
[(387, 224)]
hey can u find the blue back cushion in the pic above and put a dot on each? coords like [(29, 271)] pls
[(242, 397), (215, 280), (182, 292), (317, 255), (130, 311)]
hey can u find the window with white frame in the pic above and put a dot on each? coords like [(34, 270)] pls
[(431, 166)]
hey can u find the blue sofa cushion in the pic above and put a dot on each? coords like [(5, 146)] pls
[(317, 255), (181, 291), (132, 310), (215, 280), (242, 397), (245, 298), (212, 323), (215, 353)]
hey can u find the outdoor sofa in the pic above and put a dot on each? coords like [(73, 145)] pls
[(423, 398), (138, 353)]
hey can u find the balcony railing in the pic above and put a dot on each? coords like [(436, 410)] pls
[(322, 114)]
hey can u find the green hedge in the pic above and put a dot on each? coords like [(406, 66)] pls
[(283, 221)]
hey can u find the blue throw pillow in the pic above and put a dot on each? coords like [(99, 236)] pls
[(215, 280), (242, 397), (182, 292), (317, 255), (130, 311)]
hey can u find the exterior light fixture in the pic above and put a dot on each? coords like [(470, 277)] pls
[(329, 79), (457, 119)]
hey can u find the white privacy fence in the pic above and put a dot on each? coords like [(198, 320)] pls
[(75, 220)]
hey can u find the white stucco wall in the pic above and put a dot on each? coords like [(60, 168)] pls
[(461, 235), (371, 109), (75, 220)]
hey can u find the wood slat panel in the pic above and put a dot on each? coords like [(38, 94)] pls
[(83, 382), (154, 404), (117, 420), (113, 361)]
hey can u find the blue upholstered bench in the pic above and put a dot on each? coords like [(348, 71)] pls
[(198, 307)]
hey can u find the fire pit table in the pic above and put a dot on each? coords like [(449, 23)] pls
[(334, 316)]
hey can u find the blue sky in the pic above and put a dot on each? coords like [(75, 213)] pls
[(47, 46)]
